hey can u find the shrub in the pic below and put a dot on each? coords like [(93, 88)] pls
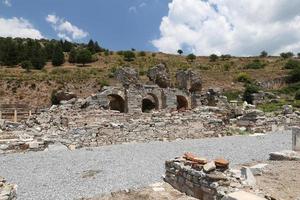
[(26, 65), (54, 100), (73, 56), (294, 75), (213, 58), (84, 56), (226, 57), (58, 57), (120, 53), (227, 66), (142, 54), (292, 64), (232, 95), (191, 57), (244, 78), (297, 95), (287, 55), (264, 54), (256, 64), (129, 56), (250, 89), (153, 55)]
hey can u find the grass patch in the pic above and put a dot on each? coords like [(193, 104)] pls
[(232, 95)]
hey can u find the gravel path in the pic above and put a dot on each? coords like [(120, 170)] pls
[(61, 175)]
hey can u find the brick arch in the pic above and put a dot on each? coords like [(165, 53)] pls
[(116, 102), (150, 102), (182, 102)]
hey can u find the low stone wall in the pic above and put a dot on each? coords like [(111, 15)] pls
[(201, 179), (7, 191)]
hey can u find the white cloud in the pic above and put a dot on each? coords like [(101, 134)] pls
[(243, 27), (134, 9), (18, 27), (7, 2), (65, 29)]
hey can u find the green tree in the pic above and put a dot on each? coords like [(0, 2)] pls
[(67, 46), (294, 75), (97, 47), (250, 89), (91, 46), (191, 57), (292, 64), (287, 55), (142, 54), (264, 54), (128, 56), (58, 57), (84, 56), (180, 52), (73, 56), (213, 58), (27, 65)]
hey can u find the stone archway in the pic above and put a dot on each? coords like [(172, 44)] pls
[(182, 102), (116, 102), (150, 102)]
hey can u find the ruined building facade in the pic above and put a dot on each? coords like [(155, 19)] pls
[(133, 97)]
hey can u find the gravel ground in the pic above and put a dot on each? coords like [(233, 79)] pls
[(68, 175)]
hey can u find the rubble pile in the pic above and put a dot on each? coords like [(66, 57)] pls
[(77, 125), (71, 125), (207, 180), (7, 191)]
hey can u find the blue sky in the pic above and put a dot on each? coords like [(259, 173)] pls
[(115, 24), (202, 27)]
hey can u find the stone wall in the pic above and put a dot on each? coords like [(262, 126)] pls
[(200, 178)]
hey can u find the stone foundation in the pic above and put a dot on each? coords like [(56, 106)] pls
[(201, 179)]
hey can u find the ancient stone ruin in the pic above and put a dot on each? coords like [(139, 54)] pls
[(209, 180), (133, 97)]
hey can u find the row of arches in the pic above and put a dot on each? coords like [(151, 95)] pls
[(149, 103)]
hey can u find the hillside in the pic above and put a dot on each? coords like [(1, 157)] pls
[(35, 87)]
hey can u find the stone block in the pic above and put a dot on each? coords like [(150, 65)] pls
[(241, 195), (258, 169), (33, 145), (248, 176), (296, 138)]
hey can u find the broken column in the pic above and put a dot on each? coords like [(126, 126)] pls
[(296, 138)]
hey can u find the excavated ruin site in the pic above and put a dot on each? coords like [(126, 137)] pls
[(151, 141)]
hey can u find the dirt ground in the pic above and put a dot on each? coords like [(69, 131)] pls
[(280, 181), (158, 191)]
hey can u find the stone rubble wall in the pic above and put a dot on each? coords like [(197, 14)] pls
[(76, 125), (199, 178)]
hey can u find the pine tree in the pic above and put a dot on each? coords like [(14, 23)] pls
[(91, 46), (58, 57), (73, 56), (84, 56)]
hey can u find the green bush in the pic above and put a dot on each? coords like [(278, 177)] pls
[(142, 54), (297, 95), (256, 64), (191, 57), (213, 58), (232, 95), (26, 65), (250, 89), (264, 54), (292, 64), (244, 78), (54, 99), (286, 55), (294, 75), (129, 56)]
